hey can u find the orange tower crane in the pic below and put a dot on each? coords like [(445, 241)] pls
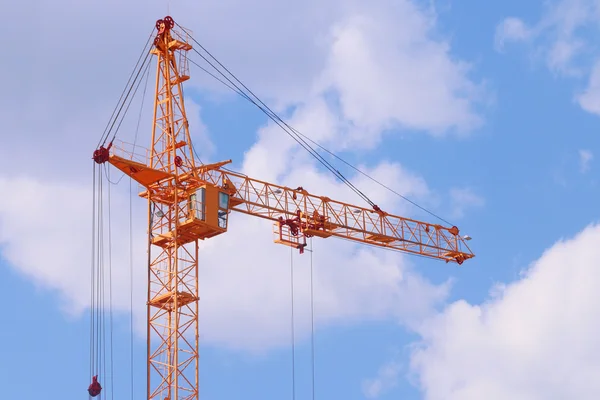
[(188, 202)]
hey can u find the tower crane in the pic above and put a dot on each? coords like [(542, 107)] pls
[(189, 201)]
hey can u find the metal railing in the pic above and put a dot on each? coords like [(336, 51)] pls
[(131, 152)]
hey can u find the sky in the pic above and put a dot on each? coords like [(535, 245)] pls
[(484, 113)]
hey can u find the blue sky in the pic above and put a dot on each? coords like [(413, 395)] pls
[(486, 114)]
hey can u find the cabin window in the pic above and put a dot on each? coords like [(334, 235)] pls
[(223, 201), (197, 204), (223, 209)]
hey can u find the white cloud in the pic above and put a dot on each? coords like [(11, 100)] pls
[(585, 158), (63, 106), (203, 144), (275, 152), (533, 339), (563, 36), (406, 78), (589, 99), (45, 233), (386, 380), (562, 21), (562, 53), (464, 199), (511, 29)]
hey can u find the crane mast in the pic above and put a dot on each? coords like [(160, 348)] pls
[(187, 203), (172, 305)]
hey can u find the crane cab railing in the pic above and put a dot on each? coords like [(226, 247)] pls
[(131, 152)]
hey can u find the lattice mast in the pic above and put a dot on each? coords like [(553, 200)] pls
[(173, 264)]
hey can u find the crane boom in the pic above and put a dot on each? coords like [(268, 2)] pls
[(323, 217)]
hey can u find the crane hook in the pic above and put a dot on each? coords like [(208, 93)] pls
[(94, 389)]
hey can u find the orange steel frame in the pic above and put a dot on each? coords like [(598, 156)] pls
[(323, 217), (170, 177), (172, 308)]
